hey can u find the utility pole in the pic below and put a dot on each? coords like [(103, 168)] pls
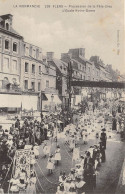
[(69, 87), (41, 106)]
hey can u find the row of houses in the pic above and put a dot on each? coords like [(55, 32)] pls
[(26, 75)]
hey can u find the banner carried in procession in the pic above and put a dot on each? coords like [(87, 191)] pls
[(22, 161)]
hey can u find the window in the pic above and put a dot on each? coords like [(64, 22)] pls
[(34, 53), (47, 70), (6, 62), (89, 69), (27, 51), (14, 65), (26, 67), (26, 84), (40, 55), (7, 26), (15, 47), (47, 83), (7, 44), (33, 68), (40, 70), (33, 85), (39, 88)]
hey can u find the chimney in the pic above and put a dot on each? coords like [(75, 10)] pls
[(50, 56), (77, 52), (65, 57), (82, 52)]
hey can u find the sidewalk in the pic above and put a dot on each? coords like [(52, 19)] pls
[(121, 184)]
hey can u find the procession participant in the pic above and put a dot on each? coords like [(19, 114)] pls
[(31, 188), (72, 188), (79, 170), (60, 189), (17, 124), (57, 155), (46, 149), (114, 123), (90, 178), (91, 151), (80, 185), (88, 159), (12, 129), (86, 136), (14, 182), (103, 137), (72, 143), (72, 174), (50, 164), (102, 149), (83, 136), (67, 137), (36, 150), (67, 184), (22, 176)]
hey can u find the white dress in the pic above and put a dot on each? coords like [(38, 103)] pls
[(50, 164), (57, 155)]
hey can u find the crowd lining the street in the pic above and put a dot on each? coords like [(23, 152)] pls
[(33, 132)]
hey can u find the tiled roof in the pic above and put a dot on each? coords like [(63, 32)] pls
[(58, 63)]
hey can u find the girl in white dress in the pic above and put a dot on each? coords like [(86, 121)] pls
[(72, 143), (57, 155), (50, 164), (36, 151), (46, 149)]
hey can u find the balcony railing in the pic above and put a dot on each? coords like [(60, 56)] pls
[(5, 90)]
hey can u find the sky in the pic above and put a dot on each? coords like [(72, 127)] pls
[(56, 31)]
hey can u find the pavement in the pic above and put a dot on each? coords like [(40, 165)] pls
[(121, 184), (108, 174)]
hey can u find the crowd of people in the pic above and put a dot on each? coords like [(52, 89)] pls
[(83, 176), (33, 132)]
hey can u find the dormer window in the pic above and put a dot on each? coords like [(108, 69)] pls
[(7, 44), (15, 47), (27, 51), (7, 26)]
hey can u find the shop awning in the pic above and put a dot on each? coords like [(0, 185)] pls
[(29, 102), (44, 97), (10, 101)]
